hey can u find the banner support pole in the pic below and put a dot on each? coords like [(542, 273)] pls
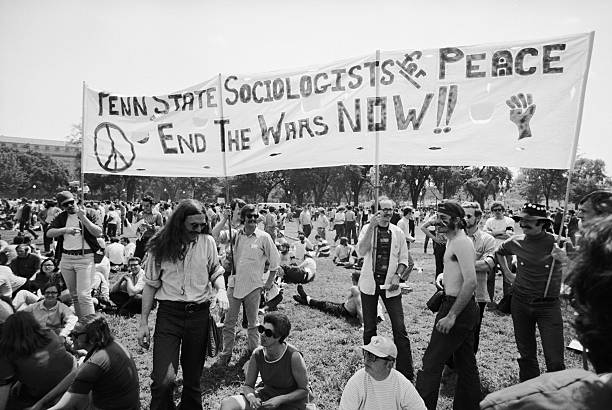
[(573, 152), (82, 143), (377, 137)]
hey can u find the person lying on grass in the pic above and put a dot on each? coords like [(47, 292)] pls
[(349, 309), (284, 379)]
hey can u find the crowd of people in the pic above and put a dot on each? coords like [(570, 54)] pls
[(98, 258)]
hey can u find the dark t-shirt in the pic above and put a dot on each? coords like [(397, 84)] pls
[(25, 267), (383, 251), (111, 375), (41, 371)]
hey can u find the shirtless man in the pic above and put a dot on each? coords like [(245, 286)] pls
[(457, 318)]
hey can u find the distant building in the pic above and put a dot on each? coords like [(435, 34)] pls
[(63, 152)]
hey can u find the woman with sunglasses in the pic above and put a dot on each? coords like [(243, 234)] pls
[(282, 368), (34, 357)]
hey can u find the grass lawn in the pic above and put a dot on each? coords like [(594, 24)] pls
[(330, 344)]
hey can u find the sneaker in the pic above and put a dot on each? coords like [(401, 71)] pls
[(299, 299), (300, 290)]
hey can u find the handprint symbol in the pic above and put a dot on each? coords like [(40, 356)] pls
[(522, 109)]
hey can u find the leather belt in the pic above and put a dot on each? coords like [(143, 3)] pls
[(188, 307), (77, 252)]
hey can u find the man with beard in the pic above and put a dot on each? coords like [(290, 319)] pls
[(76, 234), (184, 275), (457, 318), (535, 291), (383, 247)]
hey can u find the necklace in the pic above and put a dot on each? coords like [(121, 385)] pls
[(270, 359)]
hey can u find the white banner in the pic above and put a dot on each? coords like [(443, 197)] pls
[(514, 104)]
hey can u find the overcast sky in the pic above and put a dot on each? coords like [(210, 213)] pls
[(48, 48)]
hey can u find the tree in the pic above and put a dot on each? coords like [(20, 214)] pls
[(547, 182), (486, 181), (589, 175), (448, 180), (12, 177), (31, 173)]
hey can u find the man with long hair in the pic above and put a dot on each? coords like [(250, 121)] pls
[(182, 263), (457, 318)]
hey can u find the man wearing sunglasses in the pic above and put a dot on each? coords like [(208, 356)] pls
[(501, 227), (76, 232), (386, 259), (253, 248), (378, 385)]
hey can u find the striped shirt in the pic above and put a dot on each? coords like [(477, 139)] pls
[(362, 391), (251, 252)]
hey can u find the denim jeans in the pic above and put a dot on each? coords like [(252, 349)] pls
[(77, 271), (458, 344), (369, 305), (547, 315), (178, 331), (250, 304)]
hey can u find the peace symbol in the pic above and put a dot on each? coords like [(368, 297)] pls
[(114, 152)]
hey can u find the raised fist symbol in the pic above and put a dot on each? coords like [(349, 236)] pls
[(521, 111), (114, 152)]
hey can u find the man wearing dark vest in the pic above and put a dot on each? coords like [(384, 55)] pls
[(76, 234)]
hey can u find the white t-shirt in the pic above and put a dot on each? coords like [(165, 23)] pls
[(301, 248), (74, 242), (310, 266), (128, 251), (497, 226), (114, 252), (362, 391), (404, 225)]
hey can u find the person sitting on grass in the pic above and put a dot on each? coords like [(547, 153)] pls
[(126, 293), (36, 359), (284, 378), (53, 314), (305, 272), (108, 375), (342, 253), (590, 279), (322, 247), (378, 385), (302, 246)]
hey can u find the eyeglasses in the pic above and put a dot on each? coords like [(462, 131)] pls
[(132, 265), (371, 357), (468, 216), (262, 330), (68, 203), (251, 216), (51, 293), (197, 225), (387, 209), (497, 210)]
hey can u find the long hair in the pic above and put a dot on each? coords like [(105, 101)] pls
[(590, 279), (97, 330), (22, 335), (172, 241)]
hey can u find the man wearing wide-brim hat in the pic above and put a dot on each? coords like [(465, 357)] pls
[(536, 288)]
